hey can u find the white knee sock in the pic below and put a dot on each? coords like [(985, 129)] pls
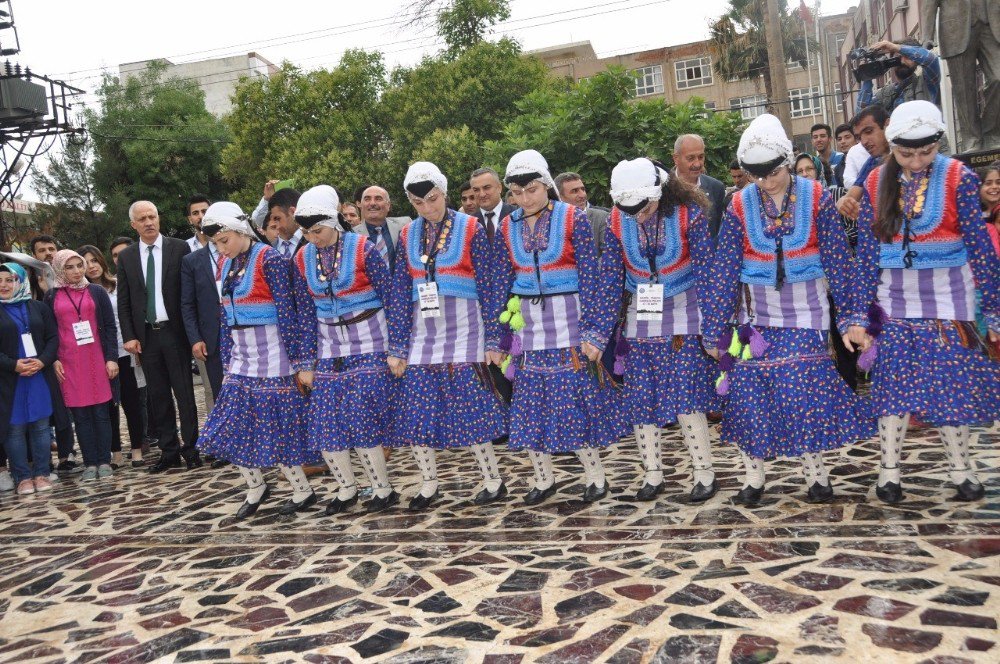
[(373, 462), (956, 446), (891, 433), (695, 429), (647, 438), (300, 483), (815, 471), (754, 471), (541, 462), (487, 459), (255, 484), (340, 465), (592, 468), (428, 469)]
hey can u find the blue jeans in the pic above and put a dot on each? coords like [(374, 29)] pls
[(36, 436), (93, 432)]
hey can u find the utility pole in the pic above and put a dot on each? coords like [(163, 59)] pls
[(776, 63)]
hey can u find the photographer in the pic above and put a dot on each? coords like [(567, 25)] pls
[(907, 83)]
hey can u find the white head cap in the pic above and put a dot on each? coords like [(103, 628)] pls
[(226, 216), (764, 145), (527, 166), (915, 124), (636, 182), (423, 176), (319, 206)]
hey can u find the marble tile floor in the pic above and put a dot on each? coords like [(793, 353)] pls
[(152, 568)]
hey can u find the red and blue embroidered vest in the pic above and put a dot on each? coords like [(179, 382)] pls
[(453, 271), (936, 238), (801, 246), (250, 301), (556, 263), (350, 291), (673, 267)]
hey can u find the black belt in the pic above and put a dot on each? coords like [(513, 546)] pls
[(159, 325)]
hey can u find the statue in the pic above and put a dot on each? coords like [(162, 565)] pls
[(969, 34)]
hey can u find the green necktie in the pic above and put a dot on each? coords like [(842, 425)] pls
[(151, 286)]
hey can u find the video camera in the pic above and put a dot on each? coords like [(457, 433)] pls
[(868, 63)]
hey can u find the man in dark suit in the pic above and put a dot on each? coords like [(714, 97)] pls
[(689, 166), (572, 190), (149, 312)]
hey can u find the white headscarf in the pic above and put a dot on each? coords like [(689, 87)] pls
[(425, 171), (229, 217), (764, 141), (320, 201), (637, 181), (527, 162), (915, 124)]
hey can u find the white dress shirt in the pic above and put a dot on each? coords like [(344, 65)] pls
[(293, 242), (161, 309), (194, 243), (856, 158), (259, 214)]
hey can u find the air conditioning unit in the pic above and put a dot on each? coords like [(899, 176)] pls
[(21, 100)]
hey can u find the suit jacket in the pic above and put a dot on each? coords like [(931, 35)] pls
[(956, 24), (716, 192), (200, 300), (132, 290), (505, 210), (395, 225), (598, 217)]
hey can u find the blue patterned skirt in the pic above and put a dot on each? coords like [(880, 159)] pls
[(257, 423), (559, 407), (937, 370), (351, 402), (792, 400), (447, 405), (664, 380)]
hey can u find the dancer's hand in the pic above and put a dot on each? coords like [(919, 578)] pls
[(306, 379), (592, 352), (713, 353), (856, 338), (397, 366), (994, 336), (494, 357)]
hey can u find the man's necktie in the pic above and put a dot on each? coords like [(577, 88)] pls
[(491, 229), (286, 248), (151, 286), (219, 262)]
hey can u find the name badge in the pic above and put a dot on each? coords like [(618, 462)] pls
[(84, 335), (430, 305), (29, 345), (649, 302)]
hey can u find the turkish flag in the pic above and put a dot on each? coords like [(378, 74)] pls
[(804, 12)]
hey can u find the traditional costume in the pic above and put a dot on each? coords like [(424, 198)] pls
[(928, 358), (770, 276), (259, 419)]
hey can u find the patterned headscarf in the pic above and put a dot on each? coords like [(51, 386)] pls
[(23, 291), (62, 257)]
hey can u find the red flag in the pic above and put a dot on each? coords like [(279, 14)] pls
[(804, 12)]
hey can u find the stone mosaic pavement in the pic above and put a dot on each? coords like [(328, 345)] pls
[(144, 568)]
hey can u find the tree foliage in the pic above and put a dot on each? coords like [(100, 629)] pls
[(591, 126), (465, 23)]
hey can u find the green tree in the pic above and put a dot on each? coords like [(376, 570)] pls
[(153, 139), (465, 23), (739, 46), (591, 126)]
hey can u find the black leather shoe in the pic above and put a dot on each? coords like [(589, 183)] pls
[(890, 492), (536, 495), (485, 497), (138, 463), (381, 504), (219, 463), (969, 490), (193, 460), (592, 494), (336, 506), (819, 493), (649, 491), (422, 502), (749, 496), (248, 509), (164, 464), (291, 507), (700, 493)]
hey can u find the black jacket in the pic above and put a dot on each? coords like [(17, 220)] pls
[(45, 335), (200, 300), (132, 290)]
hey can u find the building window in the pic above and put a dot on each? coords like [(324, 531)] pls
[(836, 44), (804, 102), (749, 107), (648, 80), (693, 73), (879, 11), (838, 98)]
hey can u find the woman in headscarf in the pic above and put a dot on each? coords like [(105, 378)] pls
[(922, 249), (29, 342), (341, 283), (656, 253), (259, 419), (437, 336), (88, 358), (780, 249), (553, 330)]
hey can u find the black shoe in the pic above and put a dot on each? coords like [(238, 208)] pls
[(700, 493), (485, 497), (592, 494), (748, 496), (536, 495), (891, 492), (969, 490), (382, 504), (248, 509), (819, 493), (291, 507), (649, 491), (193, 460), (66, 467), (219, 463), (336, 506), (138, 463), (164, 464), (422, 502)]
